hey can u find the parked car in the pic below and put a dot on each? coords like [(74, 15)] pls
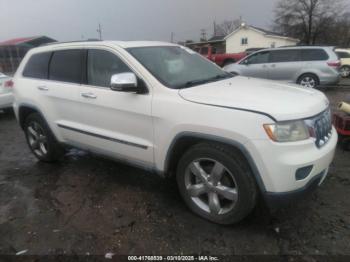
[(344, 56), (227, 140), (6, 97), (306, 66), (221, 59)]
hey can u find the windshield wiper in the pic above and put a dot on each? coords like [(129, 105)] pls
[(208, 80)]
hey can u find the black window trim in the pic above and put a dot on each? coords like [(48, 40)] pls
[(83, 81)]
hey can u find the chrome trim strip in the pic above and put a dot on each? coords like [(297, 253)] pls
[(103, 137)]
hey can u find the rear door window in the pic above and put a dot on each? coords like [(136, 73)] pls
[(314, 55), (280, 56), (38, 66), (66, 66)]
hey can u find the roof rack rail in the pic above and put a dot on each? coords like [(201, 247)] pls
[(76, 41), (305, 46)]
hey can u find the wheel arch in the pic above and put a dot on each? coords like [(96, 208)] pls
[(183, 141), (24, 110)]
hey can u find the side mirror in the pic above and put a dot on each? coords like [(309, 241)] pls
[(124, 82), (245, 62)]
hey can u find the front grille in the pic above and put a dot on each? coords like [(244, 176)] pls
[(322, 126)]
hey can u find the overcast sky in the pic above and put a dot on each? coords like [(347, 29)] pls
[(126, 19)]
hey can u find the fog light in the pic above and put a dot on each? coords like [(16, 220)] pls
[(303, 172)]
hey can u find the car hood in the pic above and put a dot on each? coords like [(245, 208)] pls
[(278, 100)]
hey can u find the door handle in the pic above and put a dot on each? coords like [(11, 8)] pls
[(89, 95), (43, 88), (273, 65)]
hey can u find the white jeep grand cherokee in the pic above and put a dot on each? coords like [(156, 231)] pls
[(163, 107)]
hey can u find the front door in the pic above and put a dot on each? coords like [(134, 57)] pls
[(256, 65), (114, 123)]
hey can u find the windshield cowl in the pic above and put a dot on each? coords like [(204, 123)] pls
[(205, 81)]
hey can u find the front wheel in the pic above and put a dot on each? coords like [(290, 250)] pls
[(308, 80), (40, 139), (216, 183)]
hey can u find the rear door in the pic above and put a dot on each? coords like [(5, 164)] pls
[(114, 123), (285, 65), (256, 65), (61, 91)]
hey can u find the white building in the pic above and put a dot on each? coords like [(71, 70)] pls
[(247, 36)]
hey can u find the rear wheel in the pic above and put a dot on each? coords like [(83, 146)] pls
[(345, 71), (216, 183), (308, 80), (41, 140)]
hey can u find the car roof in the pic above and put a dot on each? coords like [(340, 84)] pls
[(300, 47), (121, 44)]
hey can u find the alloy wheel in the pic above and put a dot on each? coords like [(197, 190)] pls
[(211, 186), (345, 71), (308, 81), (37, 139)]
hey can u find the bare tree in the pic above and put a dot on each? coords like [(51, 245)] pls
[(226, 27), (308, 20)]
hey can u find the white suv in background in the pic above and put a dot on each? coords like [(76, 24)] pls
[(6, 97), (164, 108)]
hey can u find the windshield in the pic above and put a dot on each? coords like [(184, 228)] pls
[(177, 67)]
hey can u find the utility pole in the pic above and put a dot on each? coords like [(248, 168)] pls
[(99, 30), (203, 35), (172, 37), (214, 28)]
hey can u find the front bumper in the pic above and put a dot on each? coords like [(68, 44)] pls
[(276, 200), (278, 164), (6, 100)]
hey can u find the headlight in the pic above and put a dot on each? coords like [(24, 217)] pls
[(288, 131)]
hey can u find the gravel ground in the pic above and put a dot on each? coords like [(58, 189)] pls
[(89, 205)]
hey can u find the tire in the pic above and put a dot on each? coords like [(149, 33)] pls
[(207, 199), (308, 80), (345, 71), (40, 139)]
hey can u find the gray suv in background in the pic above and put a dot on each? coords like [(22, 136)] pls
[(309, 66)]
